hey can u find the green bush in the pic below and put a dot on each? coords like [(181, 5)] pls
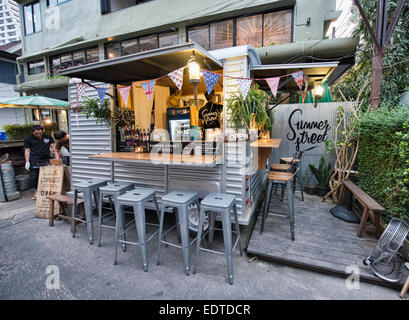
[(383, 159), (17, 132)]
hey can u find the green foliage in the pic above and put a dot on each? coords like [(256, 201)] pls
[(17, 132), (322, 173), (92, 108), (396, 63), (254, 107), (383, 155)]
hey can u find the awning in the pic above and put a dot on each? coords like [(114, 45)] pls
[(144, 65), (316, 71)]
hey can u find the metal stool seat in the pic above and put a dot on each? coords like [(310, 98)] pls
[(280, 177), (219, 203), (89, 189), (137, 198), (112, 191), (181, 200)]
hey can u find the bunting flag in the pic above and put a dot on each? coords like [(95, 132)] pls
[(273, 84), (124, 91), (244, 86), (177, 77), (149, 87), (80, 92), (101, 94), (298, 77), (210, 79), (304, 95)]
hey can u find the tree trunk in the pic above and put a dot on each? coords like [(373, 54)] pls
[(377, 69)]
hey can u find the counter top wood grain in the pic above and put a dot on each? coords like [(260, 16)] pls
[(266, 143), (160, 159)]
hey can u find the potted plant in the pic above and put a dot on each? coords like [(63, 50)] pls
[(252, 110), (308, 187), (323, 175)]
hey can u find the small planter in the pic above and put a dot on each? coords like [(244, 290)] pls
[(310, 189), (322, 191)]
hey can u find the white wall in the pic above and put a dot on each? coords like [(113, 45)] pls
[(9, 115)]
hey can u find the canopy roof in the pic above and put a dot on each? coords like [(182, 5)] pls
[(144, 65), (34, 102)]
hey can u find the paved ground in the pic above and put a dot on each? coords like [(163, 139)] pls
[(28, 246)]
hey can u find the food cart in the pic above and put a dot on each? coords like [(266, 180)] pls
[(95, 152)]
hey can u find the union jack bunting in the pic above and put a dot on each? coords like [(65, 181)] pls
[(298, 77), (149, 87), (177, 77), (210, 79)]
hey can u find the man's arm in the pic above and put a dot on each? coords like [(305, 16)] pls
[(27, 158), (55, 151)]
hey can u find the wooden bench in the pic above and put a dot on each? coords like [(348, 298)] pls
[(369, 205), (63, 201)]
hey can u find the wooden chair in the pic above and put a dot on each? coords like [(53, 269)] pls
[(280, 167), (369, 205), (64, 201)]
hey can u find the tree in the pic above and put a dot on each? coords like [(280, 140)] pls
[(395, 79)]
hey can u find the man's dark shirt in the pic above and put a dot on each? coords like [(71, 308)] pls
[(210, 114), (39, 148)]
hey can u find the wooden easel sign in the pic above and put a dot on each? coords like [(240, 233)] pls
[(50, 182)]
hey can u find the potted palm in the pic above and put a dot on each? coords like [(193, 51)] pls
[(323, 175)]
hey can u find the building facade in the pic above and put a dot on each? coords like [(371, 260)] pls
[(9, 22), (58, 34)]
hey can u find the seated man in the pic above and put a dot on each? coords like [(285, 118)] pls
[(37, 153), (63, 146)]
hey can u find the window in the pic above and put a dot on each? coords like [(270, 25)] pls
[(168, 39), (200, 35), (32, 17), (221, 35), (148, 43), (13, 33), (79, 58), (112, 50), (108, 6), (35, 67), (66, 61), (53, 3), (277, 27), (92, 54), (249, 30), (76, 58), (258, 30), (129, 46)]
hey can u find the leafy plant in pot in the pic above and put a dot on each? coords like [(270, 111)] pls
[(253, 109), (323, 175)]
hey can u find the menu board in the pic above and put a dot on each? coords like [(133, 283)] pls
[(50, 182)]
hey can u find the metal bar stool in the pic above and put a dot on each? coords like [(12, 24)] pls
[(280, 177), (89, 190), (137, 198), (223, 204), (181, 200), (112, 191)]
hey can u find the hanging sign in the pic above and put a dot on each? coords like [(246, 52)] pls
[(244, 86), (149, 87), (177, 77), (273, 84), (210, 79), (298, 77)]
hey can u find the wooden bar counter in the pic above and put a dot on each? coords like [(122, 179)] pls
[(265, 148), (160, 159)]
